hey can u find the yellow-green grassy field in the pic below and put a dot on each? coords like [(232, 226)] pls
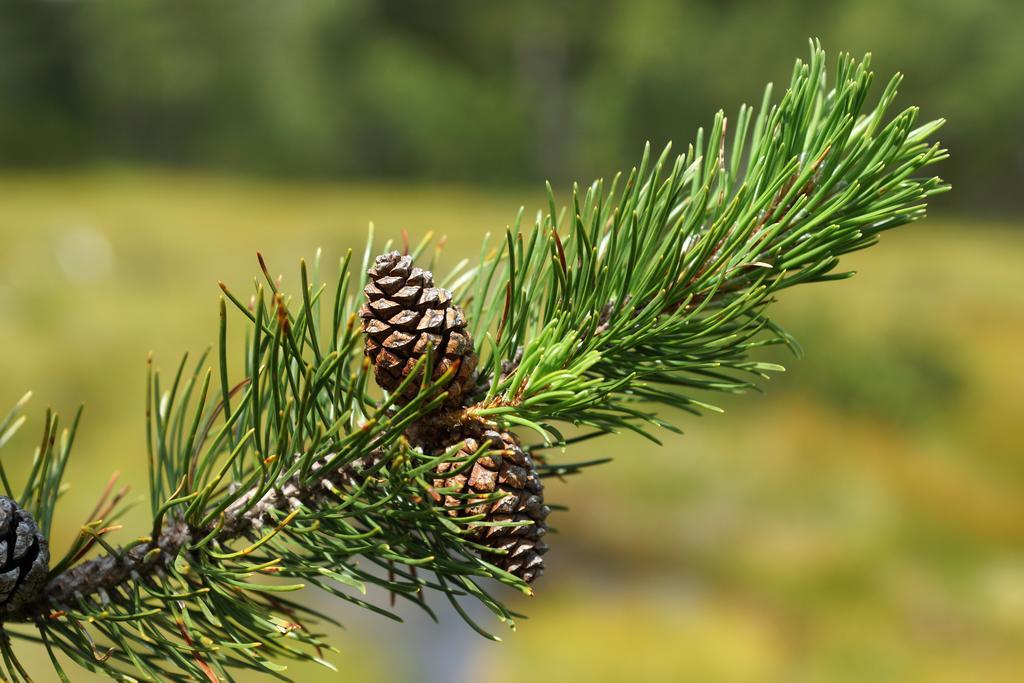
[(862, 521)]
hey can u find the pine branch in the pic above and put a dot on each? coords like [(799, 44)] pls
[(303, 473), (659, 290), (245, 517), (297, 472)]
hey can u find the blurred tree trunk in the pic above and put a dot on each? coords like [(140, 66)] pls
[(542, 71)]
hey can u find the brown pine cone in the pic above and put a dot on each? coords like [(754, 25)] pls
[(506, 469), (404, 315), (24, 556)]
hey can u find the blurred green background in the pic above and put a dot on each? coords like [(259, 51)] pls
[(862, 522)]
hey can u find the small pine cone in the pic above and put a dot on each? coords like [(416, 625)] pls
[(507, 469), (404, 315), (24, 556)]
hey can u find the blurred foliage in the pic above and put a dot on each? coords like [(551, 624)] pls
[(907, 377), (862, 522), (469, 90)]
